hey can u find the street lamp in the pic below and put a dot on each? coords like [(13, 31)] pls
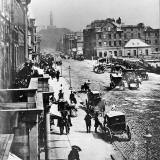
[(148, 138), (61, 70), (69, 77)]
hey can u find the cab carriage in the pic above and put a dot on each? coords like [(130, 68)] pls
[(117, 81), (142, 73), (93, 99), (130, 76), (116, 126)]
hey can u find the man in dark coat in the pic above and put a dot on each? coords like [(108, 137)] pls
[(57, 75), (88, 122), (97, 122)]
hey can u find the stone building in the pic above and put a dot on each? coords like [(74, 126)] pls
[(136, 48), (72, 44), (106, 38), (12, 39)]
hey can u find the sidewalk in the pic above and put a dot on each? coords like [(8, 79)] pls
[(92, 145)]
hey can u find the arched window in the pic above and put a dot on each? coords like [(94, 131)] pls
[(105, 54)]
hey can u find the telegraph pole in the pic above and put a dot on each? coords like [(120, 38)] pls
[(70, 86)]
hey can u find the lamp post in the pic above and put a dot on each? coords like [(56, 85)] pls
[(69, 77), (148, 138), (61, 70)]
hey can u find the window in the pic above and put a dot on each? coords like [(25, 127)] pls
[(99, 36), (146, 51), (131, 35), (129, 52), (156, 34), (156, 49), (105, 54), (135, 52), (105, 43), (115, 36), (125, 35), (100, 44), (120, 35), (115, 53), (100, 54), (120, 43), (110, 43), (156, 41), (131, 29), (139, 35), (109, 36), (114, 43)]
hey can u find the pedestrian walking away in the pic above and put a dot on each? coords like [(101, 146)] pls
[(88, 122), (61, 124), (97, 122), (57, 75)]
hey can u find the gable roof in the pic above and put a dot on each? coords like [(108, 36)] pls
[(135, 43)]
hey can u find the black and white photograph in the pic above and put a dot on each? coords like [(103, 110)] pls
[(79, 79)]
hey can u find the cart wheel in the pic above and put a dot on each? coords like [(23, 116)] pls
[(109, 133)]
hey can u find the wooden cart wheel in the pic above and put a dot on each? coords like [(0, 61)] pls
[(109, 133)]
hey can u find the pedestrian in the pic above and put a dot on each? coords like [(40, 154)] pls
[(52, 73), (61, 124), (57, 75), (60, 95), (72, 98), (67, 125), (88, 122), (73, 155), (52, 99), (97, 122)]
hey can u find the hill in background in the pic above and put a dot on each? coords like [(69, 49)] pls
[(51, 36)]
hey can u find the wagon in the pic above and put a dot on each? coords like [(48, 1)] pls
[(142, 74), (130, 76), (117, 81), (93, 99), (116, 126)]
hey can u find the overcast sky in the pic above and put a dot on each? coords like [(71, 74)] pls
[(76, 14)]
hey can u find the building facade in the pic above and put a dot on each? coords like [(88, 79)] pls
[(12, 39), (137, 48), (72, 44), (107, 38)]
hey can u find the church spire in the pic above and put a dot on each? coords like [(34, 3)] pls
[(51, 19)]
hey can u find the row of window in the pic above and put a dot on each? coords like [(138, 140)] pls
[(135, 52), (110, 43), (119, 43), (110, 53), (119, 35)]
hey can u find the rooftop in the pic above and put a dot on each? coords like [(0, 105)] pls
[(136, 43), (115, 113)]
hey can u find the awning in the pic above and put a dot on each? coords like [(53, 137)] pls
[(13, 157)]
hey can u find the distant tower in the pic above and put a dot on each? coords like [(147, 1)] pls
[(51, 19)]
